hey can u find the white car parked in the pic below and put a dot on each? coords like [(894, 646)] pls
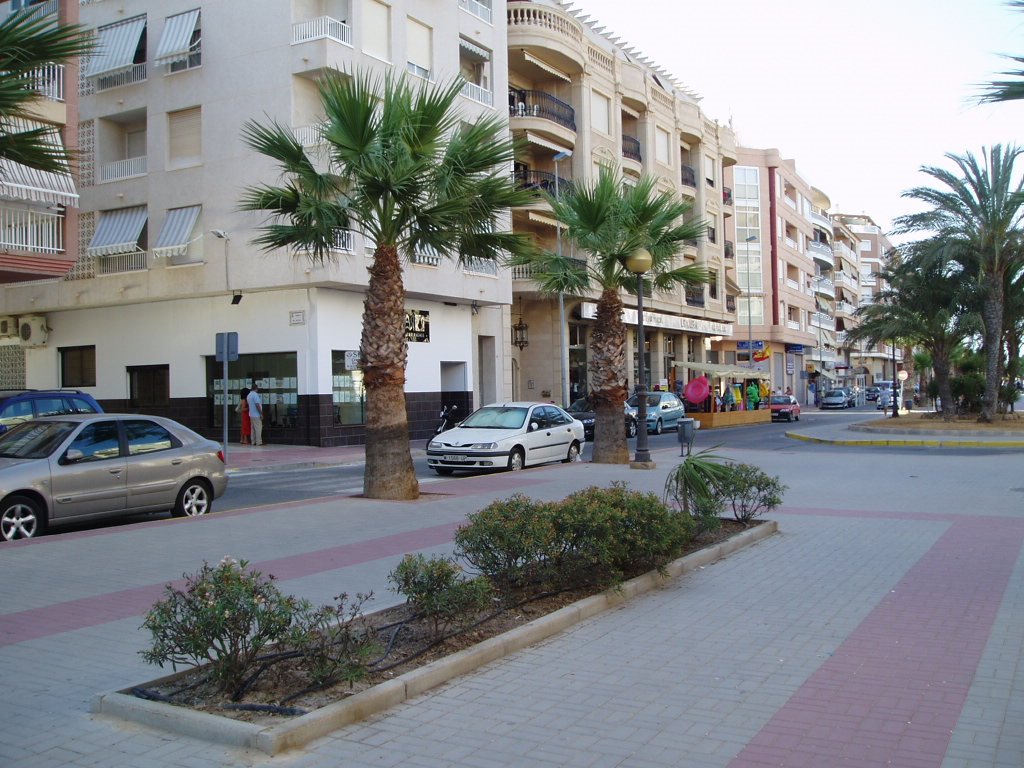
[(507, 435)]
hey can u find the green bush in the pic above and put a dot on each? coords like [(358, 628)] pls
[(749, 492), (509, 541), (691, 488), (333, 642), (436, 589), (225, 616)]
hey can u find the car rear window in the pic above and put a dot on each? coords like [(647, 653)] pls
[(147, 437), (79, 405), (50, 406)]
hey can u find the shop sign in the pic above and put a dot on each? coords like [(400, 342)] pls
[(417, 325), (796, 349)]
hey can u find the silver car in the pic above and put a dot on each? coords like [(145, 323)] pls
[(60, 469), (512, 435)]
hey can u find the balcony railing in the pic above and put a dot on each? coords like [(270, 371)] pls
[(48, 81), (820, 250), (541, 180), (821, 320), (123, 169), (481, 266), (730, 249), (727, 195), (694, 297), (845, 307), (793, 325), (523, 273), (480, 10), (309, 135), (135, 261), (730, 303), (321, 28), (25, 230), (343, 241), (841, 278), (136, 74), (478, 93), (540, 104), (688, 176), (631, 148)]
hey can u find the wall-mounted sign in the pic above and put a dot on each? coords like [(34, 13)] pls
[(796, 349), (417, 325), (297, 317), (743, 346)]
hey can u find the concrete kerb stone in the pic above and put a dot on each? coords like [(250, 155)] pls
[(274, 739), (908, 442)]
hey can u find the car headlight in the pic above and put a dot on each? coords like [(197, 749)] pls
[(484, 446)]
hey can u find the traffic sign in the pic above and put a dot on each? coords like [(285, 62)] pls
[(902, 375), (227, 347)]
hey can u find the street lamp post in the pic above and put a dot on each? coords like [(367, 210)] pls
[(638, 263), (895, 385), (563, 346)]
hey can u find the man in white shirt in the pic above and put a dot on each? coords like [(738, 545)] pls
[(256, 414)]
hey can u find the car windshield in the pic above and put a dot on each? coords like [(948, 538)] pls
[(580, 406), (835, 393), (496, 418), (34, 439), (780, 400), (652, 400)]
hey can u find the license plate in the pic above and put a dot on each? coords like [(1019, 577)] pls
[(454, 457)]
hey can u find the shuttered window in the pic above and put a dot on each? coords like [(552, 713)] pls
[(377, 30), (78, 366), (418, 42), (184, 137)]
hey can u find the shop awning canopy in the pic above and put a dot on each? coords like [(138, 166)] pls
[(724, 371), (176, 232), (176, 41), (115, 49), (118, 232)]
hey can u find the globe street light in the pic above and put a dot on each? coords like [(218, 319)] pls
[(638, 262)]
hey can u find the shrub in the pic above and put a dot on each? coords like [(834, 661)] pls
[(691, 488), (436, 589), (749, 491), (224, 615), (508, 541), (333, 641)]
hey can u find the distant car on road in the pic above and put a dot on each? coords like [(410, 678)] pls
[(835, 398), (664, 410), (507, 435), (784, 408), (583, 410), (871, 393), (62, 469)]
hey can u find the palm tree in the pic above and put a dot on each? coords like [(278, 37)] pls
[(408, 172), (1006, 90), (975, 220), (925, 304), (29, 41), (610, 220)]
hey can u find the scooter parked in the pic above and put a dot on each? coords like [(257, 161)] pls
[(448, 421)]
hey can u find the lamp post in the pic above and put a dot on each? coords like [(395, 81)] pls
[(750, 318), (563, 346), (895, 385), (638, 262)]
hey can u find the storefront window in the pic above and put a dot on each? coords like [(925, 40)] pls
[(277, 375), (348, 393)]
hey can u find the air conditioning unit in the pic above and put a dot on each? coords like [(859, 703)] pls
[(8, 327), (32, 330)]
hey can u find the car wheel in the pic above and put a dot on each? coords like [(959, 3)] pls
[(21, 518), (516, 459), (574, 452), (194, 499), (789, 417), (444, 471), (659, 427), (631, 429), (797, 417)]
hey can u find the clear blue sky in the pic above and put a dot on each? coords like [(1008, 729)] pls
[(860, 95)]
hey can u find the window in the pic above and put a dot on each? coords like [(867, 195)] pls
[(747, 185), (77, 366), (377, 30), (97, 441), (149, 385), (184, 137), (710, 170), (179, 45), (419, 53), (661, 144), (277, 375), (600, 112), (147, 437), (712, 234), (754, 305), (348, 393)]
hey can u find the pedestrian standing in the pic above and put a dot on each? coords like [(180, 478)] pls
[(753, 396), (243, 409), (256, 414)]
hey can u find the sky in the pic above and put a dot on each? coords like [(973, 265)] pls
[(860, 94)]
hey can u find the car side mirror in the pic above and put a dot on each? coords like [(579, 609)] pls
[(72, 456), (534, 426)]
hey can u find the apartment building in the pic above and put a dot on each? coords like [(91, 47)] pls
[(579, 99), (163, 260)]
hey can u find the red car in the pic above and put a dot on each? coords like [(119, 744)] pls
[(785, 407)]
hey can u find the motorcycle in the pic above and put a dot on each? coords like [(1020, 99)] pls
[(448, 421)]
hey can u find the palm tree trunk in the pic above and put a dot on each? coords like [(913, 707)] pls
[(941, 367), (992, 317), (608, 376), (389, 472)]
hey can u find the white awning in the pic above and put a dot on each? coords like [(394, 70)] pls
[(546, 67), (542, 219), (24, 183), (722, 371), (176, 40), (118, 232), (176, 233), (115, 50), (474, 50), (533, 138)]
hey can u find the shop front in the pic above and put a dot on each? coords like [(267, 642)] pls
[(735, 395)]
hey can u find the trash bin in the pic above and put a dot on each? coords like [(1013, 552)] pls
[(908, 404), (687, 430)]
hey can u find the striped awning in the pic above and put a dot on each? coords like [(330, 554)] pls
[(118, 231), (176, 232), (474, 50), (24, 183), (540, 218), (533, 138), (116, 47), (176, 41), (546, 67)]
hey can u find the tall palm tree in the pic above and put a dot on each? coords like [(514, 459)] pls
[(409, 173), (975, 219), (29, 41), (926, 304), (609, 221), (1006, 90)]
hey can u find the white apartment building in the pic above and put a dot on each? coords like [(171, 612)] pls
[(579, 99), (164, 260)]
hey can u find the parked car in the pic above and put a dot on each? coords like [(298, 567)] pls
[(59, 469), (507, 435), (18, 405), (835, 398), (784, 408), (583, 410), (664, 410), (871, 393)]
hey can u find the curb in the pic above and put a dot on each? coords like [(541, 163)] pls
[(275, 739), (911, 442)]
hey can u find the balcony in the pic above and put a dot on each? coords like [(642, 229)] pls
[(480, 10), (481, 266), (849, 281), (695, 297), (821, 219), (730, 249), (841, 337), (793, 325), (48, 81), (820, 252), (823, 321), (478, 94), (119, 170), (631, 148), (824, 287), (845, 308), (135, 261), (321, 28), (531, 26), (541, 105), (688, 177), (137, 73), (727, 196), (34, 231), (541, 180), (309, 135)]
